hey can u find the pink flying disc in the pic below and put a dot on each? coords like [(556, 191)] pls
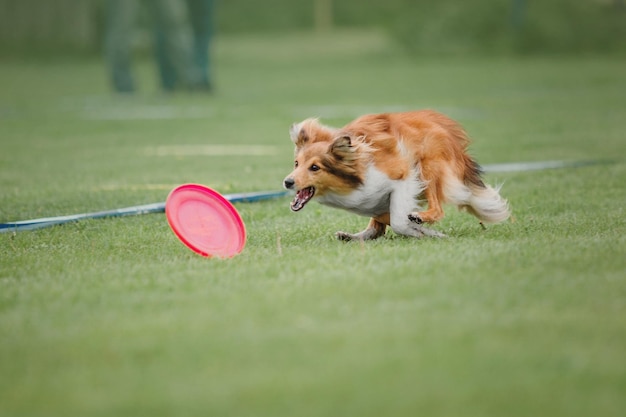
[(205, 221)]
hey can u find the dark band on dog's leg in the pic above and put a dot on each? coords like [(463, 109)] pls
[(415, 218)]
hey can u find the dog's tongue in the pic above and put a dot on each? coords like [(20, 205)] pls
[(302, 197)]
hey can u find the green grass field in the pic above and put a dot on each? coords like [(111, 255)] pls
[(116, 317)]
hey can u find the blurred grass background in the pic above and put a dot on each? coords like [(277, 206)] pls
[(432, 27)]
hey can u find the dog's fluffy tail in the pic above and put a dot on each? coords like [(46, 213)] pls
[(486, 203), (471, 194), (479, 199)]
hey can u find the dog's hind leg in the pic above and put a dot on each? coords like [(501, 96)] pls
[(374, 230)]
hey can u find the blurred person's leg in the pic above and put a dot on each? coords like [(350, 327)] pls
[(120, 21), (174, 44), (201, 18), (167, 71)]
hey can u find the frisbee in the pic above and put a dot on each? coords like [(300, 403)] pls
[(205, 221)]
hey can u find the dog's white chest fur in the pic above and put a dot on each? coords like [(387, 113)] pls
[(374, 197)]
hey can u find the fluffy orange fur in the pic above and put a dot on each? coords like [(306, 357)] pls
[(420, 147)]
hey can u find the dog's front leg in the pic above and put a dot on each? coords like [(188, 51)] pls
[(375, 229), (402, 221), (406, 227)]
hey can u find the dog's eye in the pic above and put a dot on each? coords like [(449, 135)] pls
[(295, 164), (314, 168)]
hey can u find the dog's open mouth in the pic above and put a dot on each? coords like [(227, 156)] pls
[(302, 197)]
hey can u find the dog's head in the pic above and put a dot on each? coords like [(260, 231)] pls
[(326, 160)]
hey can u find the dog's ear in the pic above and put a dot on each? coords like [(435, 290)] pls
[(342, 142), (342, 148), (297, 134)]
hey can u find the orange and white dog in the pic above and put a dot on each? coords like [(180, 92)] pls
[(380, 165)]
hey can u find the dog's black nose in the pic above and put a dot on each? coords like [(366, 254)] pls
[(289, 183)]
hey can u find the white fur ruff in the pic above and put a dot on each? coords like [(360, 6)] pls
[(379, 195)]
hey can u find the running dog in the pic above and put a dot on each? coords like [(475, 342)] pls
[(381, 165)]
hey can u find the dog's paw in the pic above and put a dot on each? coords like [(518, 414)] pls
[(424, 231), (415, 218), (344, 237)]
